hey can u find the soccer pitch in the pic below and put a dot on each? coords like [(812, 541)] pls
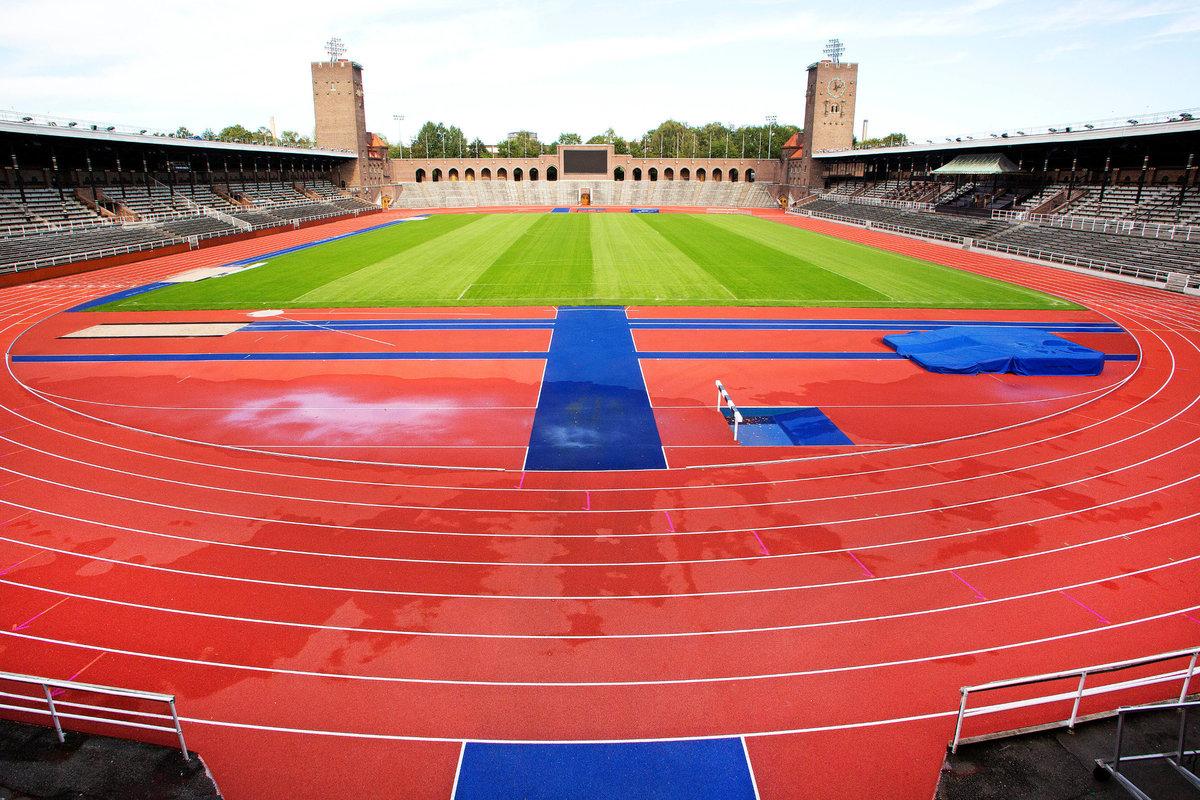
[(609, 259)]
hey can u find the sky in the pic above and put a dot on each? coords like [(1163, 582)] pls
[(927, 68)]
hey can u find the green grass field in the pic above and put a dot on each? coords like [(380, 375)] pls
[(618, 259)]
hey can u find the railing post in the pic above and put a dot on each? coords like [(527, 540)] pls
[(1187, 679), (53, 713), (1120, 734), (962, 711), (1078, 698), (179, 730), (1183, 712)]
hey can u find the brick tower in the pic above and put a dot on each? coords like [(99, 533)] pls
[(341, 117), (828, 110)]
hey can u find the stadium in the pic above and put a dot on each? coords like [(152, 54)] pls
[(778, 463)]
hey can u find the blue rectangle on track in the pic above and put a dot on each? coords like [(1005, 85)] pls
[(593, 412), (115, 296), (801, 426), (643, 211), (704, 769), (560, 210)]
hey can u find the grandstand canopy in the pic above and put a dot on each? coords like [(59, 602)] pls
[(978, 164)]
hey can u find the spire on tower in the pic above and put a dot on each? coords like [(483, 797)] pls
[(336, 48), (834, 49)]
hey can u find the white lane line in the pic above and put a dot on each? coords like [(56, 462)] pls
[(834, 623), (722, 679), (390, 592), (468, 468)]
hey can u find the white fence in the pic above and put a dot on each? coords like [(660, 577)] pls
[(1192, 282), (883, 226), (1149, 230), (58, 710), (1145, 273), (908, 205), (1081, 690)]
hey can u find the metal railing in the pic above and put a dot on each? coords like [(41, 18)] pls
[(87, 255), (1144, 273), (884, 226), (1125, 227), (28, 230), (1081, 690), (1174, 758), (55, 708), (909, 205)]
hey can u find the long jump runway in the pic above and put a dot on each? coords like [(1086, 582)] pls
[(388, 553)]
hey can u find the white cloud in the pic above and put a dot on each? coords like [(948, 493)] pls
[(559, 65)]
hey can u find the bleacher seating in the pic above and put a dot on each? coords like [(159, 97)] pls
[(470, 194), (43, 207), (47, 228), (85, 243), (1113, 248)]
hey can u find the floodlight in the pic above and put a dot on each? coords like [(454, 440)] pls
[(1132, 121), (1054, 130), (142, 131), (1020, 133), (72, 124), (1090, 127), (26, 119), (1186, 117), (110, 128)]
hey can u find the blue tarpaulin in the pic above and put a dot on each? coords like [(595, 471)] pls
[(968, 350)]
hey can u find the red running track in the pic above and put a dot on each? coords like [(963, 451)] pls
[(319, 612)]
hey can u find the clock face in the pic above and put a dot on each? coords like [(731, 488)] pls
[(836, 87)]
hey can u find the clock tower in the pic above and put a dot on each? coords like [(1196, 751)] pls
[(828, 110)]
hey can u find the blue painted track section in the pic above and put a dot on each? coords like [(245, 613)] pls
[(862, 325), (708, 769), (115, 296), (594, 412), (802, 426)]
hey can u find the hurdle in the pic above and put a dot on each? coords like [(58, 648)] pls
[(723, 397)]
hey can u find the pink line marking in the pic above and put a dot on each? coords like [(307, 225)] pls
[(521, 483), (861, 565), (57, 692), (766, 552), (11, 567), (1085, 607), (670, 522), (587, 501), (29, 621), (1193, 619), (966, 583)]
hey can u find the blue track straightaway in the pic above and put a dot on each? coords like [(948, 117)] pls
[(704, 769), (594, 412)]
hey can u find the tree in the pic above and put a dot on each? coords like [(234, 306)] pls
[(569, 138), (477, 149), (891, 140), (620, 145), (294, 139), (235, 133), (523, 144), (183, 133), (436, 140)]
